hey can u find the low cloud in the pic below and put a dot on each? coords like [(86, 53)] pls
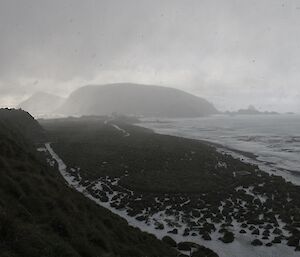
[(234, 53)]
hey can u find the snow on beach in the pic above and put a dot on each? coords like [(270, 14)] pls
[(240, 247)]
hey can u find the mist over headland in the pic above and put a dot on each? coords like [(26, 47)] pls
[(232, 53)]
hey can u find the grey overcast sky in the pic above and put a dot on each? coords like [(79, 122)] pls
[(233, 52)]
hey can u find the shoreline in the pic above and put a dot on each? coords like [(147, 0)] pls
[(286, 174), (219, 145), (246, 154)]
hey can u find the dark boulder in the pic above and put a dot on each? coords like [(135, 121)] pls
[(277, 231), (186, 232), (169, 241), (227, 238), (160, 226), (174, 231), (256, 242), (206, 237), (293, 241), (186, 246), (244, 225), (277, 240), (266, 233)]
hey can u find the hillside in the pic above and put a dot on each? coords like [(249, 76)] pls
[(135, 99), (41, 103), (20, 126), (41, 216)]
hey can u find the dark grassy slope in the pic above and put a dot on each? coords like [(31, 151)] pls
[(174, 171), (41, 216)]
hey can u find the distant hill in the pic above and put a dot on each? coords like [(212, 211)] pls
[(251, 110), (135, 99), (41, 103)]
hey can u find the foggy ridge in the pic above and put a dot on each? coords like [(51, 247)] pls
[(135, 99), (41, 103)]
